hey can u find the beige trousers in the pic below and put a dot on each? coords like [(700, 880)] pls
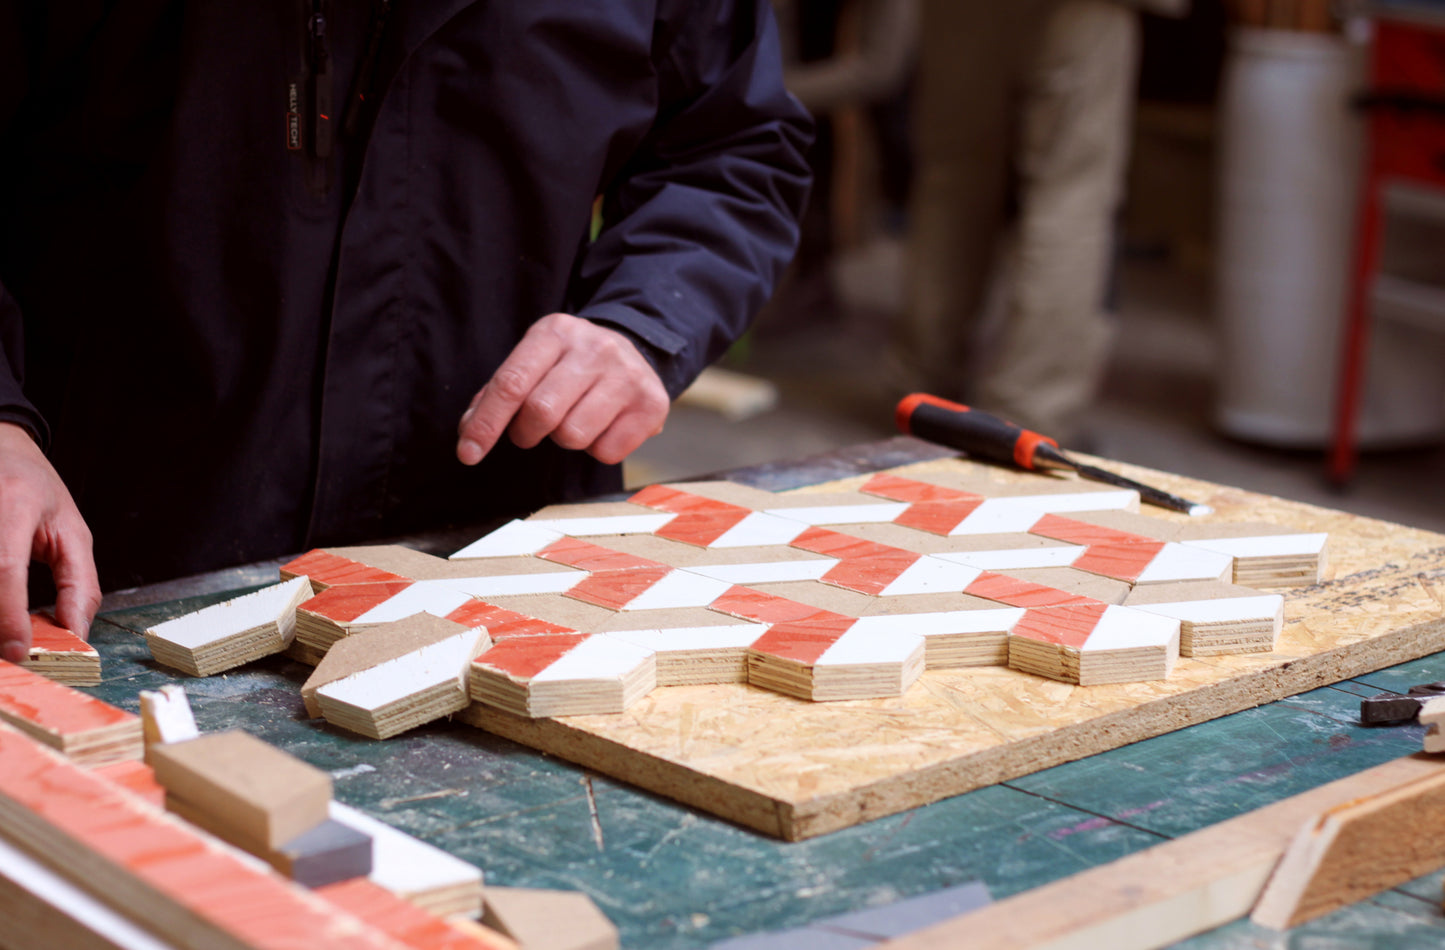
[(1023, 124)]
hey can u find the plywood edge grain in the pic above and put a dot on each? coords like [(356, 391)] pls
[(1164, 893)]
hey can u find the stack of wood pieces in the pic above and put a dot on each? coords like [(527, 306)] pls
[(60, 655), (1093, 644), (563, 675), (382, 682), (549, 920), (231, 633), (82, 727), (1215, 617), (1265, 555)]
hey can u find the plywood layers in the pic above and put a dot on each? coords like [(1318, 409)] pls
[(796, 769)]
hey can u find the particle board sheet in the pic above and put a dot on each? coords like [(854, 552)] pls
[(796, 769)]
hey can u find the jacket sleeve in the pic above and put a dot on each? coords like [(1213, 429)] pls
[(701, 221), (14, 61)]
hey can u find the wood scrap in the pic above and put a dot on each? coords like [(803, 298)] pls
[(241, 789), (89, 731), (166, 716), (229, 634), (1357, 849), (58, 654), (1432, 714), (549, 920)]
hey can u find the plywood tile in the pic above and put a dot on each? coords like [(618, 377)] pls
[(371, 648), (562, 675), (410, 868), (558, 609), (229, 634), (343, 605), (65, 719), (406, 923), (60, 655), (819, 594), (549, 920), (700, 520), (601, 518), (500, 623), (1074, 581), (510, 540), (325, 569), (1021, 592)]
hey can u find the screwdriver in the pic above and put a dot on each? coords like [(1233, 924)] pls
[(985, 436)]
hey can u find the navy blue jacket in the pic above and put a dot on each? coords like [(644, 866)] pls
[(243, 331)]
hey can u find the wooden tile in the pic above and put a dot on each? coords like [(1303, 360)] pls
[(229, 634), (511, 539), (325, 569), (700, 520), (715, 652), (868, 512), (1214, 617), (593, 558), (616, 589), (549, 920), (1075, 531), (1092, 644), (326, 854), (913, 491), (1017, 592), (242, 789), (601, 518), (60, 655), (952, 639), (1017, 558), (427, 876), (371, 648), (563, 675), (554, 609), (89, 731), (404, 922), (1074, 581), (791, 601), (501, 623)]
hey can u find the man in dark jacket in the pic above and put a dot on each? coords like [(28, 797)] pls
[(319, 271)]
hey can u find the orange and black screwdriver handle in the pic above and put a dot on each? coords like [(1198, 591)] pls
[(975, 432)]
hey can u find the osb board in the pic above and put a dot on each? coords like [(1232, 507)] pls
[(796, 769)]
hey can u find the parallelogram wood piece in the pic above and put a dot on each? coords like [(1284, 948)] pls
[(1215, 618), (242, 789), (549, 920), (89, 731), (58, 654), (226, 635), (1357, 849)]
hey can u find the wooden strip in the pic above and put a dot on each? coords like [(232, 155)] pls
[(407, 867), (1355, 850), (1165, 893), (185, 887), (81, 726), (57, 653)]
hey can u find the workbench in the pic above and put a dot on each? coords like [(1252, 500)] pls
[(673, 877)]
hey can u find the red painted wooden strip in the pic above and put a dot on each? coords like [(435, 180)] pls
[(1067, 626), (45, 634), (802, 642), (332, 570), (344, 604), (502, 623), (1124, 561), (403, 920), (26, 695), (135, 777), (870, 575), (1017, 593), (909, 489), (937, 517), (700, 521), (1082, 532), (586, 556), (749, 604), (145, 848), (525, 657), (616, 589)]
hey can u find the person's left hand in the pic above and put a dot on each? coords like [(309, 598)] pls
[(584, 385)]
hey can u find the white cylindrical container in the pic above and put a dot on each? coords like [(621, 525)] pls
[(1288, 197)]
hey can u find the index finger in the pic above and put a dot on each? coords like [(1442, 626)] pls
[(498, 401), (14, 594)]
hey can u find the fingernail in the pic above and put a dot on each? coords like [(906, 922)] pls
[(468, 414), (82, 630), (469, 452), (14, 651)]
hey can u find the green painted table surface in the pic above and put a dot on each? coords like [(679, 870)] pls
[(670, 877)]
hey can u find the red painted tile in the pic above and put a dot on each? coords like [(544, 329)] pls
[(802, 642), (401, 919), (333, 570), (586, 556), (257, 908), (616, 589), (1017, 593), (1067, 626), (700, 521), (45, 634), (55, 708), (870, 575), (502, 623), (525, 657), (1082, 532), (749, 604), (908, 489), (937, 517), (344, 604), (1125, 561)]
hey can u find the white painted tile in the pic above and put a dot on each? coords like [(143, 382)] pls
[(434, 597), (1122, 628), (552, 582), (679, 588), (1175, 562), (769, 572), (403, 864), (758, 528), (1220, 610), (859, 647), (404, 676), (246, 612), (942, 623), (679, 639), (1015, 559), (879, 513), (930, 575), (999, 516), (597, 657), (612, 524), (1280, 545), (511, 539)]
